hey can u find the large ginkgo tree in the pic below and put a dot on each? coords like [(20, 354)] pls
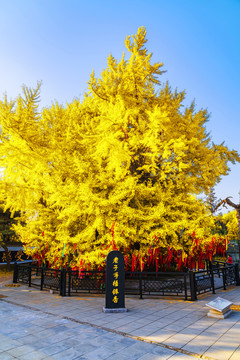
[(119, 170)]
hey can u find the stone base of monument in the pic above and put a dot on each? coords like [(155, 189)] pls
[(116, 310), (220, 308)]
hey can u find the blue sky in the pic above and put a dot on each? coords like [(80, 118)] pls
[(61, 42)]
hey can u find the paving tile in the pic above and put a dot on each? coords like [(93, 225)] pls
[(3, 338), (9, 344), (61, 337), (176, 315), (116, 346), (126, 341), (99, 353), (196, 347), (71, 342), (6, 356), (179, 340), (214, 336), (5, 328), (20, 350), (163, 322), (27, 339), (59, 328), (118, 356), (152, 348), (160, 356), (139, 348), (34, 355), (127, 328), (17, 335), (44, 333), (161, 335), (236, 354), (34, 329), (174, 327), (141, 321), (97, 340), (68, 354), (85, 348), (40, 343), (229, 341), (84, 336), (180, 356), (219, 352), (136, 350), (54, 349)]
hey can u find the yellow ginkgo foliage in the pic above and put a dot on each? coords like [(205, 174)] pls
[(127, 161), (231, 222)]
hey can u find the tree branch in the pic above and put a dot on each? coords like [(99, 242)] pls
[(227, 201)]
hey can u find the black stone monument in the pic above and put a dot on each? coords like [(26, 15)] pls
[(115, 277)]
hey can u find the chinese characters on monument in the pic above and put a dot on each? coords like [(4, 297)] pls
[(115, 284)]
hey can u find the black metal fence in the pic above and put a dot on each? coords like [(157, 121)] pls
[(185, 284), (156, 283), (216, 277), (86, 281)]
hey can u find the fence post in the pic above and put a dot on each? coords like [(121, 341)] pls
[(15, 273), (185, 286), (29, 275), (42, 278), (63, 282), (224, 277), (69, 282), (206, 264), (212, 281), (237, 274), (192, 285), (140, 285)]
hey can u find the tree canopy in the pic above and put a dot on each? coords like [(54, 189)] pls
[(121, 169)]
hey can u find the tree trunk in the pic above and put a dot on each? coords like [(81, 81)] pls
[(238, 219), (8, 259)]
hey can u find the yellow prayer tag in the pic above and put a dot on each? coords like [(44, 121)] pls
[(115, 299), (115, 283), (115, 260)]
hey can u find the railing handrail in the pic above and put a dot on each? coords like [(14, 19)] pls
[(214, 269)]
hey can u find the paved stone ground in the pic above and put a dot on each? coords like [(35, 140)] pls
[(38, 325), (5, 277)]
